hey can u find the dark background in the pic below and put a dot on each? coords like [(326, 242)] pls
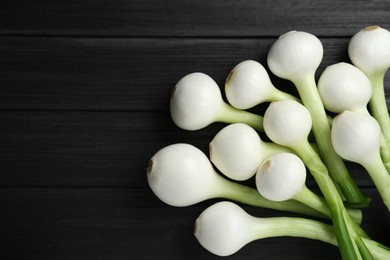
[(84, 104)]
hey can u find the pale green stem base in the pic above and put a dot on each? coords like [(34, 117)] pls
[(342, 223), (311, 99), (250, 196), (293, 227), (385, 153), (316, 202), (384, 147), (232, 115), (273, 148), (319, 172), (311, 229), (380, 177), (378, 251), (378, 104), (277, 95)]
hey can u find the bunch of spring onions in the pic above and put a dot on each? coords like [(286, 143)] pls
[(334, 110)]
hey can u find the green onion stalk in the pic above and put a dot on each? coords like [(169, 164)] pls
[(288, 123), (296, 56), (224, 228)]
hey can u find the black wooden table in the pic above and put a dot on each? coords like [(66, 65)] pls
[(84, 104)]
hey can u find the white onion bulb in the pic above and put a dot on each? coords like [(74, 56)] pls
[(281, 177), (342, 86), (287, 122), (369, 50), (237, 151), (224, 228), (248, 84), (196, 101), (356, 136), (182, 175), (295, 55)]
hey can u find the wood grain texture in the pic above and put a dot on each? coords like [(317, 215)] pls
[(125, 74), (85, 148), (96, 223), (189, 18)]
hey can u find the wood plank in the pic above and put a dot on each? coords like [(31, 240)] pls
[(72, 148), (122, 73), (85, 148), (71, 223), (189, 18)]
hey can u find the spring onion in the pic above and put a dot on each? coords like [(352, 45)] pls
[(248, 84), (342, 87), (356, 137), (224, 228), (282, 177), (279, 126), (237, 151), (369, 50), (196, 102), (182, 175), (295, 56)]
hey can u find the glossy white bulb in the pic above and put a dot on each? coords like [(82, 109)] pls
[(287, 122), (342, 86), (224, 228), (281, 177), (248, 85), (295, 55), (369, 50), (182, 175), (237, 151), (196, 101), (356, 136)]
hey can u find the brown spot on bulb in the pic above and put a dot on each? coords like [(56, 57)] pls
[(229, 77), (196, 227), (371, 28), (266, 165), (150, 166), (210, 151), (173, 92)]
